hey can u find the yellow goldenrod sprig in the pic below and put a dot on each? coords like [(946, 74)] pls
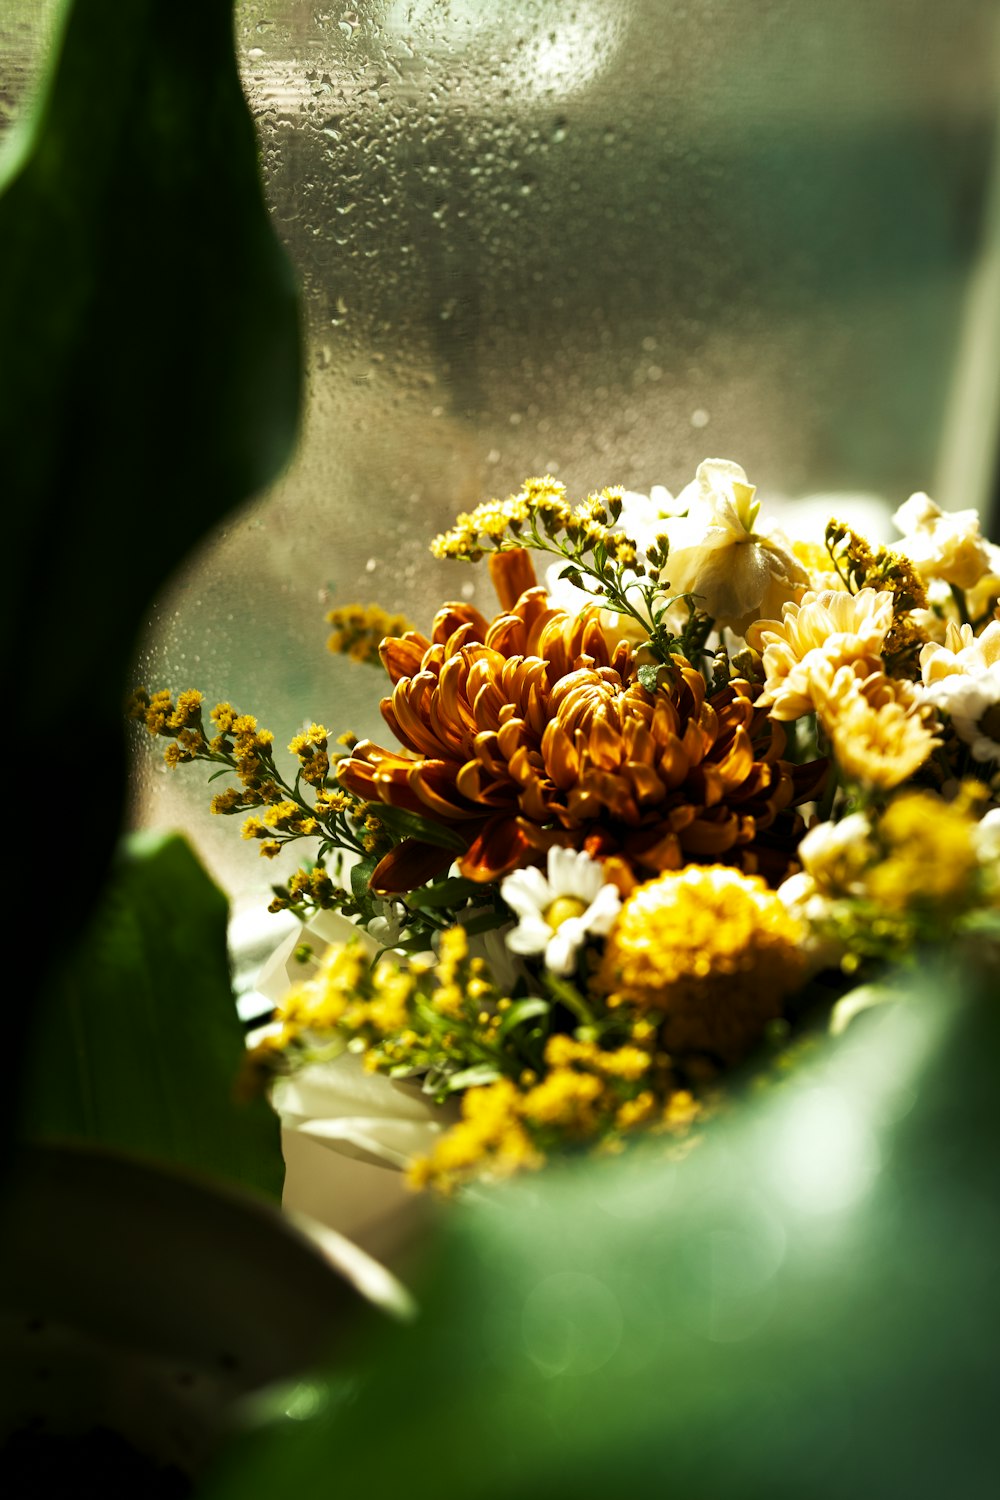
[(861, 566), (599, 558), (236, 744), (445, 1020), (359, 630)]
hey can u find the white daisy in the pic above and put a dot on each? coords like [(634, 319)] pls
[(557, 912), (973, 705)]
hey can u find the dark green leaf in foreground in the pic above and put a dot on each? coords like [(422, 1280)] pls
[(150, 369), (805, 1305), (149, 382), (141, 1046)]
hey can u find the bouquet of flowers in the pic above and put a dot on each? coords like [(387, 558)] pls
[(651, 826)]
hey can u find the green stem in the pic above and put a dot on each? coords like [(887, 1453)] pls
[(568, 995), (959, 597)]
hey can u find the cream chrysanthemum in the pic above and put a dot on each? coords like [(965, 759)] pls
[(824, 632), (983, 598), (713, 951), (876, 725), (962, 678), (963, 653), (740, 570), (942, 545)]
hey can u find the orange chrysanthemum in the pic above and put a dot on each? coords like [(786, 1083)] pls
[(530, 732)]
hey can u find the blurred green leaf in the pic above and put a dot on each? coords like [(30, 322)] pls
[(149, 381), (452, 891), (142, 1046), (524, 1010), (801, 1306)]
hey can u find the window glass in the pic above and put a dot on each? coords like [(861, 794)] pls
[(600, 238)]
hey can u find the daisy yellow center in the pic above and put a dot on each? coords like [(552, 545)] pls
[(562, 909)]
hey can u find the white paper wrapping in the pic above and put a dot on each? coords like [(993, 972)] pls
[(347, 1133)]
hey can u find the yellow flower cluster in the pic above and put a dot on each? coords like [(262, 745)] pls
[(311, 748), (929, 855), (875, 887), (346, 997), (825, 656), (713, 951), (180, 722), (359, 630), (286, 819), (537, 512), (247, 748), (308, 889), (588, 1095), (433, 1016), (489, 1140)]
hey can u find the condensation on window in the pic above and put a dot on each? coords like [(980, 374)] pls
[(598, 238)]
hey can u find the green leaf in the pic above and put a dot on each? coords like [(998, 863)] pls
[(151, 364), (454, 891), (140, 1046), (770, 1315), (408, 825), (524, 1010), (472, 1078), (650, 677), (361, 875), (487, 921)]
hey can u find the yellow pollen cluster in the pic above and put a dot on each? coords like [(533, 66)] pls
[(311, 887), (713, 951), (359, 629), (539, 502), (930, 859), (180, 721), (490, 1140)]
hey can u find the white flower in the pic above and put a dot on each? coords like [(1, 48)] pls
[(973, 705), (388, 924), (988, 836), (836, 855), (987, 841), (643, 518), (803, 899), (941, 545), (717, 550), (963, 653), (556, 913), (962, 677)]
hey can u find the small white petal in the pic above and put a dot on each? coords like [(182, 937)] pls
[(526, 892), (603, 910), (532, 935), (560, 955)]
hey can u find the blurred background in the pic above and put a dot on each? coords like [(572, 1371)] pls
[(599, 238)]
